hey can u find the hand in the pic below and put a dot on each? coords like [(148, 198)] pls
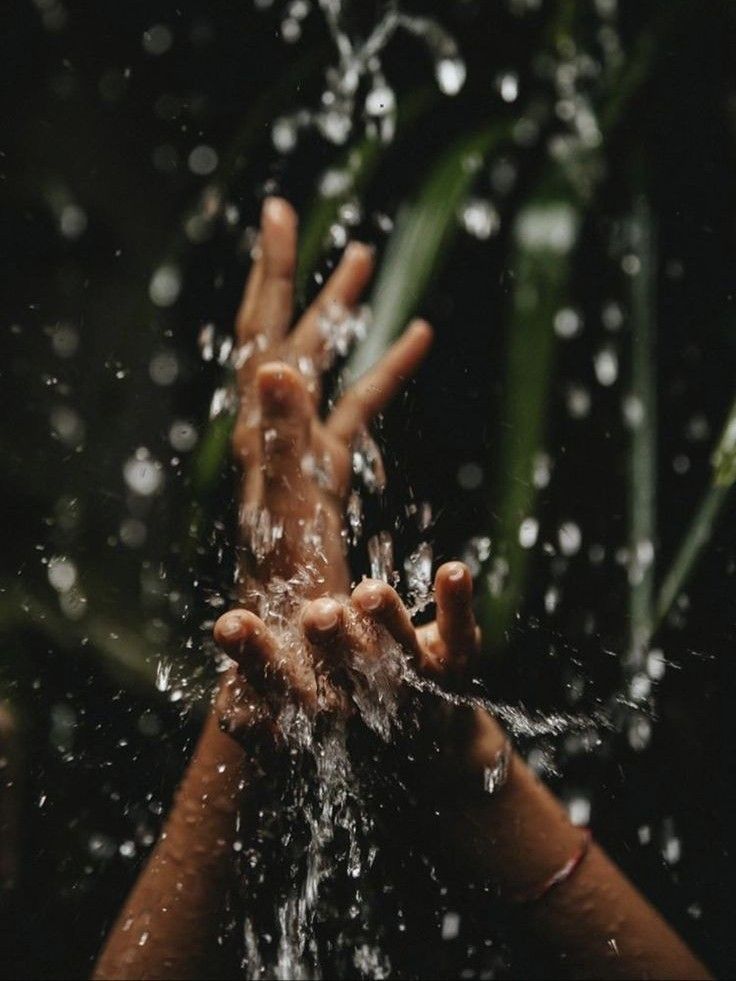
[(329, 659), (296, 467)]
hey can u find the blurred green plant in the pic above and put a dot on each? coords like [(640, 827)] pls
[(542, 263)]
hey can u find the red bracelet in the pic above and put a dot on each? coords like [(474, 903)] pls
[(561, 875)]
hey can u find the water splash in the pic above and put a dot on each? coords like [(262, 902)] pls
[(318, 837), (356, 85)]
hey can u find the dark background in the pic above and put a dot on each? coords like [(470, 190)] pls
[(82, 114)]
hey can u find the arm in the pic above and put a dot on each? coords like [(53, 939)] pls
[(595, 919), (518, 838), (170, 923)]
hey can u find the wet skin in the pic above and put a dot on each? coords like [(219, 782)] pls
[(516, 838)]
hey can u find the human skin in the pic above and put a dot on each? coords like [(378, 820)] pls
[(170, 923), (516, 839)]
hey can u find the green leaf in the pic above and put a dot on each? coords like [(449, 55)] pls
[(360, 163), (545, 235), (700, 531), (643, 443), (420, 241)]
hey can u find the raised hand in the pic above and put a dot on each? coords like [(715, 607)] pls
[(296, 466)]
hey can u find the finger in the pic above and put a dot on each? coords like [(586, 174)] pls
[(343, 288), (455, 618), (371, 393), (250, 295), (331, 641), (379, 602), (246, 640), (323, 623), (268, 666), (272, 305), (286, 413)]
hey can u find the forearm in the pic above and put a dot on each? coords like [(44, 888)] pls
[(169, 925), (595, 919)]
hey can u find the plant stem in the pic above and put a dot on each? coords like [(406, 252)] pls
[(643, 457), (701, 527)]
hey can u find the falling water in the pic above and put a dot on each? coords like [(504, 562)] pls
[(323, 838)]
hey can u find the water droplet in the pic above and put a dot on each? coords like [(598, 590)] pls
[(605, 364), (165, 286), (62, 573), (508, 86), (380, 101), (418, 570), (451, 74), (381, 557), (568, 323), (570, 538), (143, 474), (470, 476), (528, 532), (183, 435), (157, 39), (450, 926), (164, 368), (480, 218), (72, 221), (203, 160)]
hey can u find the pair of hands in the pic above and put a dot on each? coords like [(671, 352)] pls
[(295, 478)]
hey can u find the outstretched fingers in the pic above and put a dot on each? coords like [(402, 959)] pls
[(372, 393), (376, 600)]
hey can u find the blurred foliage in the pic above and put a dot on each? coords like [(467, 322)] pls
[(100, 125)]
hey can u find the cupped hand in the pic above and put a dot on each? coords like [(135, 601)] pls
[(296, 466), (341, 656)]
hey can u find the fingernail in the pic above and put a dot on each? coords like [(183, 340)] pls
[(371, 598), (273, 207), (230, 627), (326, 615), (457, 572), (355, 248)]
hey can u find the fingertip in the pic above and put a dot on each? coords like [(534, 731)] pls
[(421, 328), (454, 580), (281, 389), (370, 596), (233, 630), (277, 211), (360, 252), (228, 626), (322, 620)]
